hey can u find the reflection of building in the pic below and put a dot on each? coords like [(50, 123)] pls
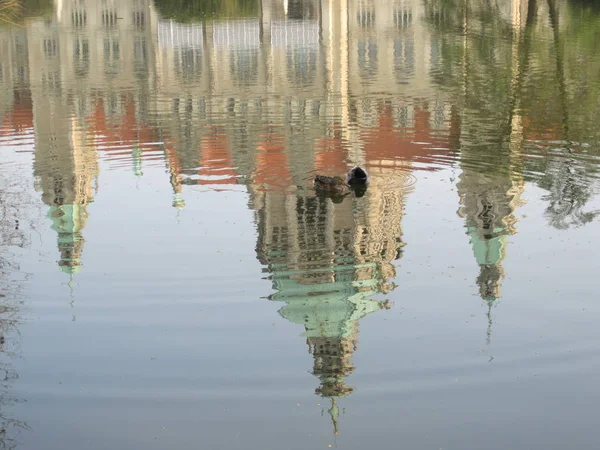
[(65, 168), (491, 183), (325, 259), (324, 264), (78, 64), (15, 101), (110, 63), (299, 63), (487, 204), (65, 165), (488, 201)]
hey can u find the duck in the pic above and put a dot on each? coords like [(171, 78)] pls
[(357, 176), (330, 185)]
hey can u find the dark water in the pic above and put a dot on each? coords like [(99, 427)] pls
[(170, 279)]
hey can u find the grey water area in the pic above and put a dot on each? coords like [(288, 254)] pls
[(170, 278)]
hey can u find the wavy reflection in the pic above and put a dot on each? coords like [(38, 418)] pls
[(14, 234), (10, 428), (326, 261), (320, 85), (66, 170)]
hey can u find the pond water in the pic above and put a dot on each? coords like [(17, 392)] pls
[(169, 278)]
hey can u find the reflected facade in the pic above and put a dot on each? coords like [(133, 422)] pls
[(483, 99), (292, 88), (325, 261)]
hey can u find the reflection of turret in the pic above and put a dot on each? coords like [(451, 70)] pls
[(323, 269), (488, 202), (66, 168), (68, 221), (68, 195), (175, 178), (332, 364)]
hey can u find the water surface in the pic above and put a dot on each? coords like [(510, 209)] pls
[(170, 278)]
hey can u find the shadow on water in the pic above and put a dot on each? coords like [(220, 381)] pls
[(326, 261)]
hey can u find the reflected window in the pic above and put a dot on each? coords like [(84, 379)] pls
[(175, 106), (243, 65), (435, 52), (368, 113), (112, 49), (50, 47), (302, 66), (21, 74), (177, 35), (367, 58), (140, 57), (112, 56), (439, 117), (402, 18), (188, 63), (366, 14), (202, 109), (404, 117), (112, 106), (141, 110), (51, 80), (109, 18), (79, 18), (19, 46), (140, 52), (316, 108), (81, 56), (83, 106), (404, 58), (139, 19)]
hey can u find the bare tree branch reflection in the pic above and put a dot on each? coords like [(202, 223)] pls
[(13, 221)]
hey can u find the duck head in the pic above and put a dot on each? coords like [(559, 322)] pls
[(357, 177)]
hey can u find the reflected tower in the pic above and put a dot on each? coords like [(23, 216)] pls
[(487, 203), (325, 260), (65, 167), (73, 56), (308, 245), (491, 184), (66, 170)]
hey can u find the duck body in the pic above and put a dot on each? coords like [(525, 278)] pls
[(332, 185), (357, 177)]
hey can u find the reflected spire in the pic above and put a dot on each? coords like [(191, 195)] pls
[(67, 169), (488, 202), (175, 179), (68, 221), (136, 156), (490, 321), (334, 413), (325, 261)]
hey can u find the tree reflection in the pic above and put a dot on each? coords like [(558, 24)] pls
[(195, 10), (12, 235), (15, 10), (524, 87)]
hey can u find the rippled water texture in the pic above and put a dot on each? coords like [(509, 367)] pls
[(170, 278)]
